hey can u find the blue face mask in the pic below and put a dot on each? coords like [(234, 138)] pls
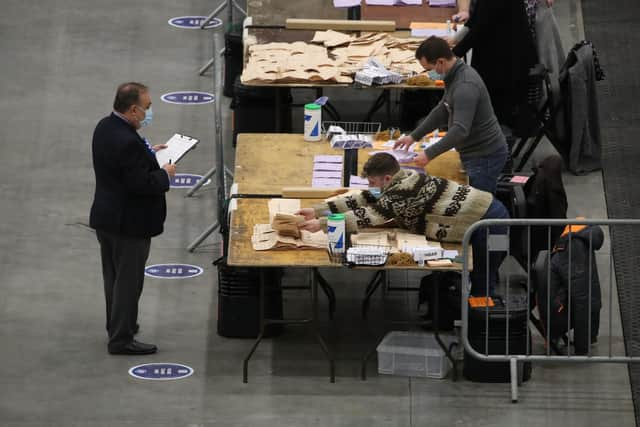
[(434, 75), (148, 118), (375, 192)]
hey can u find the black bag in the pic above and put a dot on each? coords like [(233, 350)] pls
[(449, 285), (507, 334)]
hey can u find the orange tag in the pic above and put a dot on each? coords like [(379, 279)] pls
[(475, 302)]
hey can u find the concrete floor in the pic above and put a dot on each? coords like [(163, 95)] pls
[(61, 63)]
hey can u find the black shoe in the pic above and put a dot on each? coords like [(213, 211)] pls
[(133, 348)]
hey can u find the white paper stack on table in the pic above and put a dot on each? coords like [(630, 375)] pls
[(327, 171), (402, 156), (358, 182), (178, 146)]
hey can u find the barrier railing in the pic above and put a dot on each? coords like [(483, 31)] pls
[(560, 291)]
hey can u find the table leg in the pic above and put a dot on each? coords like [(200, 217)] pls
[(436, 330), (371, 289), (328, 291), (278, 109), (314, 322), (245, 366)]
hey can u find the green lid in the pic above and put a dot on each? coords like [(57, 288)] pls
[(312, 106), (336, 217)]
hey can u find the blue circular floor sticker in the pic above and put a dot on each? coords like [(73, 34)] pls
[(161, 371), (186, 180), (188, 97), (173, 271), (193, 22)]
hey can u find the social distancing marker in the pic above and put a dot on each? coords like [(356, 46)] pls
[(186, 180), (188, 97), (193, 22), (161, 371), (173, 271)]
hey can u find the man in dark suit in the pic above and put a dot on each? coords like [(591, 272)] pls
[(128, 209)]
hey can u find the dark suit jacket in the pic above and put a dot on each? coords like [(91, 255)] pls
[(130, 185), (503, 52)]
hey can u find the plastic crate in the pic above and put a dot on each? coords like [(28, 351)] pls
[(413, 354)]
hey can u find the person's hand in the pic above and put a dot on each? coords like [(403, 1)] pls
[(404, 142), (460, 18), (170, 168), (550, 3), (311, 225), (421, 159), (307, 213), (159, 147)]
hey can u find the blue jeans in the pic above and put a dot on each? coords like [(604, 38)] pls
[(478, 276), (483, 171)]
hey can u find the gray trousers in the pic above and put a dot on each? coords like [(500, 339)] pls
[(123, 263)]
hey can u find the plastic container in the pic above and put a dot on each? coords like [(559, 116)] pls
[(413, 354), (312, 120), (336, 237)]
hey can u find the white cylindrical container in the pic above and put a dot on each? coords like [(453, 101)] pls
[(336, 233), (312, 120)]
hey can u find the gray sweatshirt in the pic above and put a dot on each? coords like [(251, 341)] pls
[(466, 109)]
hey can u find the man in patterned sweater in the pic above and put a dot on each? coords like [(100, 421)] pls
[(440, 209)]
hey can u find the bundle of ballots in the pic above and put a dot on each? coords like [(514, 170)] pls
[(374, 73), (349, 141)]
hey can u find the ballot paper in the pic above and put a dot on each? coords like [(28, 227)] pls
[(442, 3), (358, 182), (178, 146), (346, 3)]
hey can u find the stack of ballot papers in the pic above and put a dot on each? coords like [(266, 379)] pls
[(442, 3), (428, 29), (327, 171), (356, 181), (348, 141), (373, 72), (393, 2)]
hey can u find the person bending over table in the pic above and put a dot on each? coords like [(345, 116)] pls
[(440, 209), (466, 110)]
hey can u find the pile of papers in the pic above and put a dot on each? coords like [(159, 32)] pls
[(265, 237), (442, 3), (349, 141), (393, 2), (374, 73), (331, 57), (327, 171)]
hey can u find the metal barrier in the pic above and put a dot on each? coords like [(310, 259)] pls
[(562, 310)]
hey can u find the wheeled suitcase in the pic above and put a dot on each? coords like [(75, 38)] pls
[(507, 334)]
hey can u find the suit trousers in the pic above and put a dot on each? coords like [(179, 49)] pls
[(123, 263)]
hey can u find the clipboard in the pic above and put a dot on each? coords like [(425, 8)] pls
[(177, 146)]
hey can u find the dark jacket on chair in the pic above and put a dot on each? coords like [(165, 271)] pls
[(130, 185)]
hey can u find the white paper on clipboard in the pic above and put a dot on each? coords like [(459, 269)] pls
[(177, 147)]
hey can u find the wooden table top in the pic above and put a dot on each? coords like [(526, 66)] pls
[(265, 163), (255, 211)]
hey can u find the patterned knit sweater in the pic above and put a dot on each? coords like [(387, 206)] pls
[(440, 209)]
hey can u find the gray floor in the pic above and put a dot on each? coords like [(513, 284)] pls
[(61, 63)]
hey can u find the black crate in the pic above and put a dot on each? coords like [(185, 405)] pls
[(239, 299)]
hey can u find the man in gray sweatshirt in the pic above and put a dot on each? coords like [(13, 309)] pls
[(466, 110)]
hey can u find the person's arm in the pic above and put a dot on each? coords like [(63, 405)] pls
[(437, 118), (359, 210), (137, 177), (465, 101)]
